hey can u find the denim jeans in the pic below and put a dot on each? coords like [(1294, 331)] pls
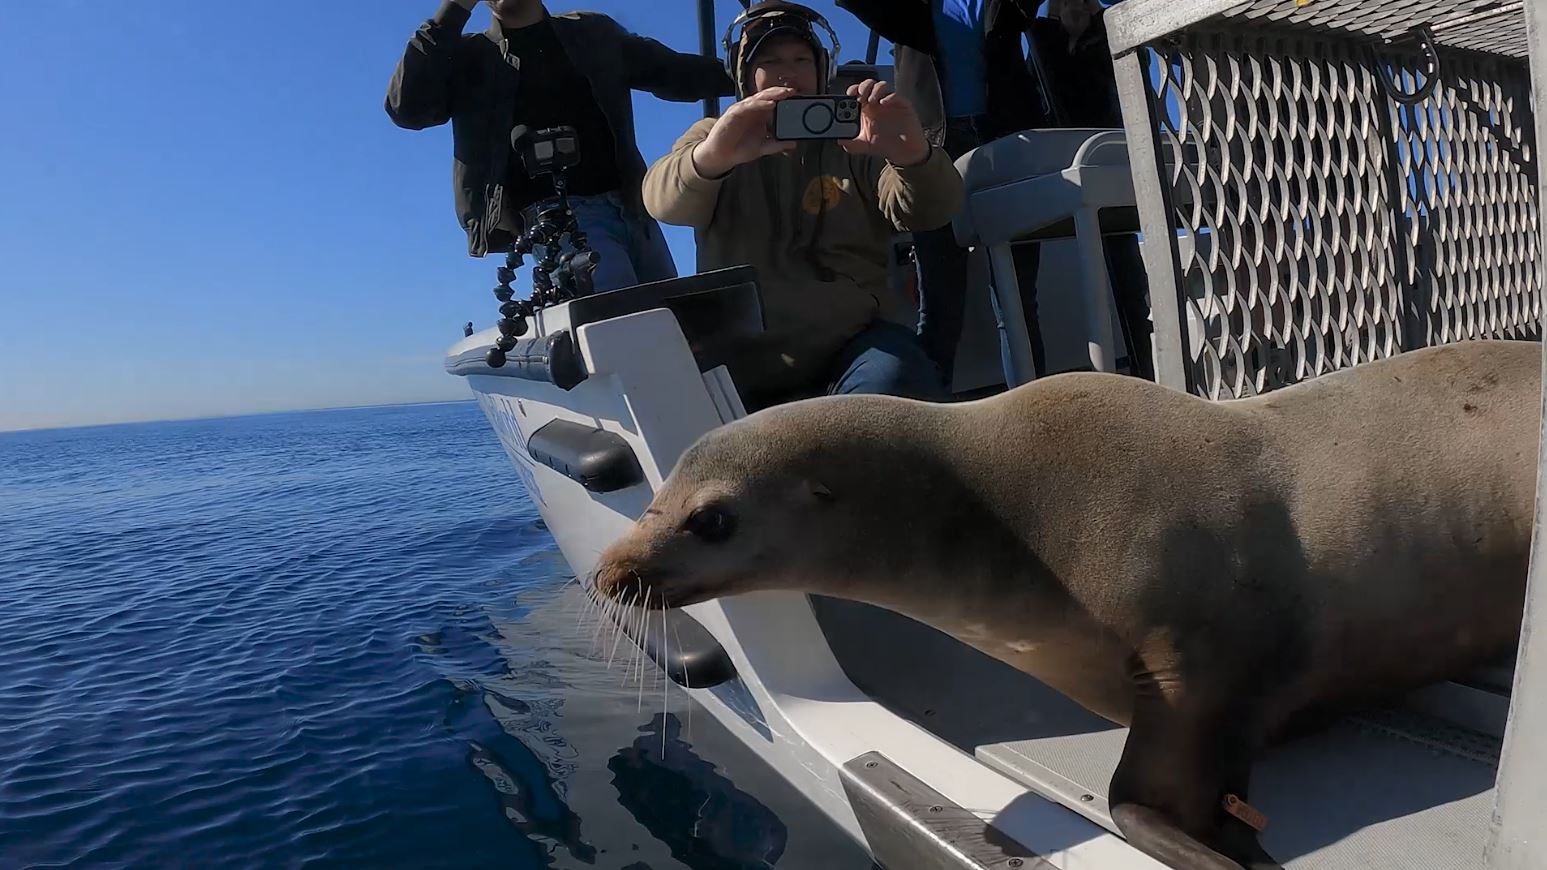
[(887, 359), (632, 247)]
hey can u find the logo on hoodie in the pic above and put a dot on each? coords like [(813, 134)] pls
[(822, 194)]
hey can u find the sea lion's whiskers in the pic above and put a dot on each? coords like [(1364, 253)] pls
[(588, 606), (599, 606), (665, 683), (572, 604), (639, 636), (575, 602), (600, 632), (687, 680), (625, 617), (633, 659), (625, 622), (655, 673), (577, 627), (562, 594), (609, 613), (644, 616), (583, 611), (617, 637), (605, 621), (597, 631)]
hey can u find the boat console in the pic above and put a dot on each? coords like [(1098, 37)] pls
[(719, 303), (724, 303)]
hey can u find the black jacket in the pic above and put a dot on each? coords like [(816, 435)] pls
[(1081, 82), (470, 80), (1015, 102)]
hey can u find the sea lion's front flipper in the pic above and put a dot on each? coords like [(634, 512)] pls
[(1240, 823), (1168, 794), (1149, 831)]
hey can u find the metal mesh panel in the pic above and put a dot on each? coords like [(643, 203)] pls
[(1324, 224), (1467, 153)]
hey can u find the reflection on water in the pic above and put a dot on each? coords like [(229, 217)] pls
[(684, 802), (339, 639)]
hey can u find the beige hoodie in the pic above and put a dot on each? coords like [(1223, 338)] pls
[(817, 224)]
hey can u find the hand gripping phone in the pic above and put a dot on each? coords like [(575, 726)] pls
[(822, 117)]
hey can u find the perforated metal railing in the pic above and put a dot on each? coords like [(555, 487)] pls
[(1496, 26), (1469, 153), (1325, 217), (1450, 183)]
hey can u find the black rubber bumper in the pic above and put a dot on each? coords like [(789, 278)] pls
[(598, 460), (686, 651)]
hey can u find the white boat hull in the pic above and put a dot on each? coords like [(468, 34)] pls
[(791, 702)]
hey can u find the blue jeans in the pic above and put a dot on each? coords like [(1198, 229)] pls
[(887, 359), (632, 248)]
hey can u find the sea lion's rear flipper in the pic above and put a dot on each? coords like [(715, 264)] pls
[(1168, 794)]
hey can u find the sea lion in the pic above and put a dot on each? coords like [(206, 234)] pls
[(1203, 572)]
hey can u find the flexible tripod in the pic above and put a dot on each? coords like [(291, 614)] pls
[(557, 276)]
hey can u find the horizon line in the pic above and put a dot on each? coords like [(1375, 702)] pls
[(234, 415)]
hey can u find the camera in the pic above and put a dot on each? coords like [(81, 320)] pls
[(822, 117), (558, 275), (550, 151)]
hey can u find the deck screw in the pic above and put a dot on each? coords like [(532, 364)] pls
[(1087, 797), (936, 809), (872, 764), (1016, 862)]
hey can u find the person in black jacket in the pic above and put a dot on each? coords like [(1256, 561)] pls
[(539, 70)]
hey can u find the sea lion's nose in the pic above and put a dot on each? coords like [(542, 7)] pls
[(616, 576)]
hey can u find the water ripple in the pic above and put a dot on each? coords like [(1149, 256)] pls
[(296, 639)]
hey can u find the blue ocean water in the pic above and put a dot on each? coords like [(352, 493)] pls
[(335, 638)]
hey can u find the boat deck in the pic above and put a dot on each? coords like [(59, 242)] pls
[(1396, 788)]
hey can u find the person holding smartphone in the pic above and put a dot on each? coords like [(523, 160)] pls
[(538, 70), (966, 65), (815, 215)]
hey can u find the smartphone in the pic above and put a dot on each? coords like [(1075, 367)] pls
[(824, 117)]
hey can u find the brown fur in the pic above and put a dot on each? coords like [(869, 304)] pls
[(1200, 571)]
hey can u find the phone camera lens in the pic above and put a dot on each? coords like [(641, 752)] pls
[(818, 118)]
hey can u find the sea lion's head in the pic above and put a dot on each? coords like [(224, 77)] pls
[(778, 500)]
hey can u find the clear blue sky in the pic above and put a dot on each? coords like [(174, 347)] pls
[(204, 209)]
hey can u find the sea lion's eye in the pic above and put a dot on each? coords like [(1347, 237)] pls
[(710, 524)]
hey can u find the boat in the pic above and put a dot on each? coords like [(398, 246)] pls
[(1318, 185)]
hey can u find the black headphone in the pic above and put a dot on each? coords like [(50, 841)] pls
[(734, 62)]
